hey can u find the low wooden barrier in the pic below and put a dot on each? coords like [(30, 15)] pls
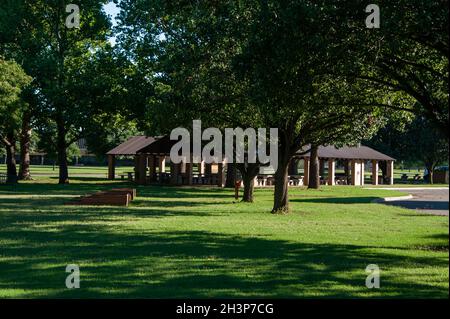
[(130, 191), (113, 197)]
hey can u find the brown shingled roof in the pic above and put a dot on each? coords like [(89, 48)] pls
[(161, 145), (347, 152), (132, 145)]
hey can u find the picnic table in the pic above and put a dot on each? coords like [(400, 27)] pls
[(128, 174), (164, 178), (295, 180), (341, 179), (12, 180), (404, 178), (3, 178), (417, 179), (262, 181), (270, 180)]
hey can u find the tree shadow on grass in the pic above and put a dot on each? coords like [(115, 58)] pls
[(440, 243), (151, 191), (194, 264), (172, 203), (77, 179), (53, 209), (121, 262), (156, 191), (424, 204), (336, 200), (68, 189)]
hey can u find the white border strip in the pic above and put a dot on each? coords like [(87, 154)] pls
[(392, 199), (407, 188)]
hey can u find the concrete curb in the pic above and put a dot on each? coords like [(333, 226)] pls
[(392, 199), (407, 188)]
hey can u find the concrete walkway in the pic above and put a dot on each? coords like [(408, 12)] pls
[(425, 200)]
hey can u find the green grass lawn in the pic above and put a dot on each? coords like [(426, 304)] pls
[(184, 242), (48, 170), (102, 172)]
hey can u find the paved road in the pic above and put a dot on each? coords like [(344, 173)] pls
[(432, 201)]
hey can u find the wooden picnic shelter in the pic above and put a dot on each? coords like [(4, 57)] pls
[(354, 160), (128, 148), (152, 157), (153, 165)]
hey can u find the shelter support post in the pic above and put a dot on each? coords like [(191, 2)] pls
[(362, 167), (321, 168), (347, 170), (111, 167), (174, 173), (293, 166), (374, 172), (189, 170), (356, 172), (221, 174), (162, 164), (306, 171), (152, 168), (201, 168), (390, 172), (331, 172), (141, 173), (208, 173)]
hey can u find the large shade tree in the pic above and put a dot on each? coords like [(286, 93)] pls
[(243, 64), (407, 55), (222, 61), (296, 61), (36, 34), (186, 55), (12, 81)]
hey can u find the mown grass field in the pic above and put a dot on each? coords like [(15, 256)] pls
[(185, 242), (102, 172), (50, 171)]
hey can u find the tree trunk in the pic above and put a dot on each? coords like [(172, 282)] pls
[(347, 171), (231, 175), (11, 170), (281, 198), (430, 176), (430, 167), (62, 155), (293, 167), (314, 179), (249, 188), (249, 172), (383, 168), (25, 141), (322, 168)]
